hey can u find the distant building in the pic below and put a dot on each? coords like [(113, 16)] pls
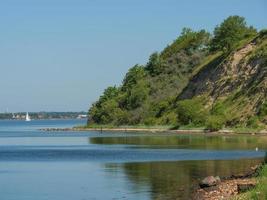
[(82, 116)]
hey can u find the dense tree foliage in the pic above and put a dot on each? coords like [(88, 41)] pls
[(155, 65), (188, 40), (148, 92), (230, 32)]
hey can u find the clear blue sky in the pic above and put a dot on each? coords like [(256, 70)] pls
[(59, 55)]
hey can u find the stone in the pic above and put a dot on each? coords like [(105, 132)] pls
[(209, 181)]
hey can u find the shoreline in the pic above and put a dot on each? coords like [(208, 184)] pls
[(157, 130), (233, 187)]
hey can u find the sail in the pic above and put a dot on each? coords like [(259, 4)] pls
[(27, 117)]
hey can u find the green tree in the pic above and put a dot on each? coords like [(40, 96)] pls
[(102, 110), (188, 40), (137, 95), (155, 64), (109, 93), (230, 32), (134, 74)]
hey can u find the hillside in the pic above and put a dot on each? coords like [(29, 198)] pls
[(199, 80), (236, 88)]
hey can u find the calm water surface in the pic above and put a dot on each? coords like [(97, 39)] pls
[(37, 165)]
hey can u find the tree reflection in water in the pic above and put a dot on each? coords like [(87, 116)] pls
[(187, 141), (177, 180)]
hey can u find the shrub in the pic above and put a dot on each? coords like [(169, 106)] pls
[(169, 118), (263, 109), (214, 123), (191, 111), (253, 122)]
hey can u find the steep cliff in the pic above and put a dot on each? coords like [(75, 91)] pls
[(239, 82)]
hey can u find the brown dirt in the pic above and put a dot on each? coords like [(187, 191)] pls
[(224, 191), (241, 53)]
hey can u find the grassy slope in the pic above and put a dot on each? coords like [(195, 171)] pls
[(205, 62), (260, 192), (110, 126)]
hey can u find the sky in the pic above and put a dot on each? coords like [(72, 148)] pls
[(59, 55)]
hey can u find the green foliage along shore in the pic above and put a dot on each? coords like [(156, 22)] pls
[(201, 80)]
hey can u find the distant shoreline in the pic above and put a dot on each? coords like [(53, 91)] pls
[(36, 119), (43, 115)]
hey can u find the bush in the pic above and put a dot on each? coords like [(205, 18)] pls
[(263, 109), (214, 123), (218, 108), (263, 32), (191, 111), (169, 118), (253, 122)]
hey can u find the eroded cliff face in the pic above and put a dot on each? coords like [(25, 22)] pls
[(239, 78)]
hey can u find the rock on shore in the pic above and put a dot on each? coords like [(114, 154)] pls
[(210, 181), (225, 190), (213, 188)]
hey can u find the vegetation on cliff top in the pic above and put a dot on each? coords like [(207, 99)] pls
[(199, 80)]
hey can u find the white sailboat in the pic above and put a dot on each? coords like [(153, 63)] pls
[(27, 119)]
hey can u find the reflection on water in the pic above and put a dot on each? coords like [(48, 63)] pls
[(88, 165), (177, 180), (86, 180), (187, 141)]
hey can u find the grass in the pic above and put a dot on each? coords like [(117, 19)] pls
[(260, 191), (164, 127), (206, 61), (246, 130), (245, 41), (98, 126), (191, 127)]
